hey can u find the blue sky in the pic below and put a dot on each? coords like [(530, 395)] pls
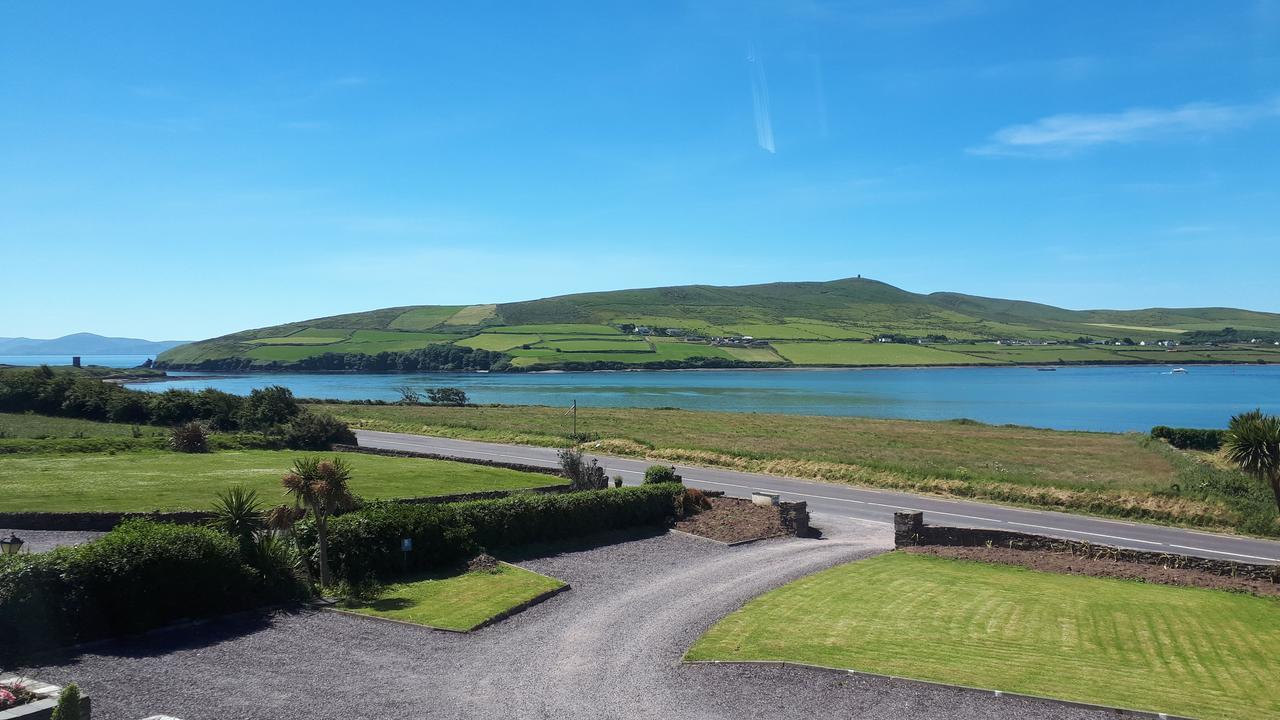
[(182, 170)]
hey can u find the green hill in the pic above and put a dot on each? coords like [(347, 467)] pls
[(804, 323)]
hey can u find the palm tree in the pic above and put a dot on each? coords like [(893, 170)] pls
[(321, 487), (1253, 444), (238, 513)]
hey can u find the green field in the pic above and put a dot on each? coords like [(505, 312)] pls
[(370, 342), (459, 602), (498, 341), (424, 318), (1186, 651), (24, 425), (1099, 473), (162, 480), (861, 353)]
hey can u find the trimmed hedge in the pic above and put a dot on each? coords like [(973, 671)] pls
[(1189, 438), (137, 577), (365, 544)]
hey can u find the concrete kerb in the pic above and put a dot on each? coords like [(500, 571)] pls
[(1119, 711)]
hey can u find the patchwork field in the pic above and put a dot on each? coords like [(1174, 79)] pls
[(162, 480), (810, 324), (859, 353), (1186, 651), (461, 601)]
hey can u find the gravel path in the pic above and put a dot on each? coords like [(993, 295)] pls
[(42, 540), (608, 648)]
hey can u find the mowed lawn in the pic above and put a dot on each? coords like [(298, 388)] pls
[(462, 601), (1187, 651), (163, 480)]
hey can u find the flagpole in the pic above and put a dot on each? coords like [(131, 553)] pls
[(575, 420)]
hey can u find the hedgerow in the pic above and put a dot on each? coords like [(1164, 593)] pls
[(366, 544), (139, 576), (1189, 438)]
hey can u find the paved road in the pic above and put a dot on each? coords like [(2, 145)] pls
[(608, 648), (875, 505)]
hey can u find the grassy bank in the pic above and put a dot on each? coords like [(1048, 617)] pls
[(163, 480), (1102, 473), (462, 601), (1203, 653), (32, 426)]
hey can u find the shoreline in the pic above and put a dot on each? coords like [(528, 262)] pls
[(553, 371)]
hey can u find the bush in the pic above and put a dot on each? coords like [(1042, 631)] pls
[(315, 431), (581, 474), (268, 407), (139, 576), (694, 501), (189, 438), (68, 707), (1190, 438), (365, 544), (447, 396), (661, 474)]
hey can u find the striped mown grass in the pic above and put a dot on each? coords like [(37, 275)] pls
[(1185, 651)]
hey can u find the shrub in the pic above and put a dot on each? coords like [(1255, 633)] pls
[(661, 474), (189, 438), (68, 707), (581, 474), (315, 431), (447, 396), (268, 407), (694, 501), (366, 543), (139, 576), (1190, 438)]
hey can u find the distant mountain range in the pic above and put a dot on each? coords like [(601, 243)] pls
[(849, 322), (85, 344)]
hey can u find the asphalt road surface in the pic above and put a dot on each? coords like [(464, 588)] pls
[(874, 505)]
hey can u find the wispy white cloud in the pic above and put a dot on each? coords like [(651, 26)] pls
[(351, 80), (760, 100), (1059, 135)]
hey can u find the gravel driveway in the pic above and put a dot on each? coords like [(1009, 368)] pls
[(609, 648)]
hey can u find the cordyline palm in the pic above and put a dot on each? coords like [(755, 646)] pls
[(1253, 444), (321, 487)]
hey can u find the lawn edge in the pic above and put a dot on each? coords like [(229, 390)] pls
[(1128, 712)]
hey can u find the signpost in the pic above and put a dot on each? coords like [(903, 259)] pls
[(406, 546)]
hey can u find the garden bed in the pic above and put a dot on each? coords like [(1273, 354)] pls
[(731, 520), (1069, 564)]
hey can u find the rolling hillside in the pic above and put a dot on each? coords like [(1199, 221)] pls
[(808, 323)]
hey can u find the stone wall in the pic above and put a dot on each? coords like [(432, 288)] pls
[(909, 530), (795, 517)]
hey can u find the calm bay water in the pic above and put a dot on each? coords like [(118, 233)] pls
[(1101, 398)]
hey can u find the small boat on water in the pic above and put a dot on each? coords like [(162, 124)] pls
[(1178, 371)]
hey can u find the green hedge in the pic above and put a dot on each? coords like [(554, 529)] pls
[(139, 576), (366, 543), (1189, 438)]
